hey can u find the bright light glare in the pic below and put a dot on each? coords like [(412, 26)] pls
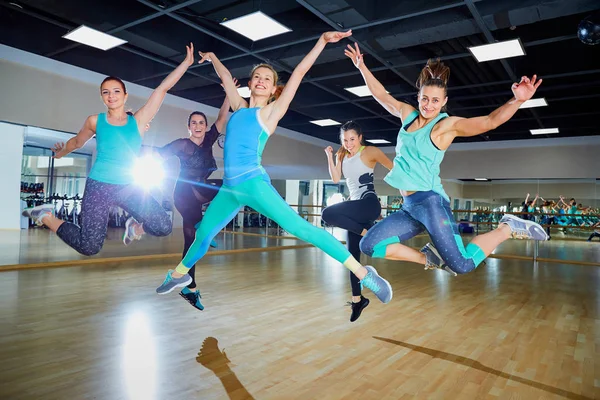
[(148, 172), (139, 360), (335, 199)]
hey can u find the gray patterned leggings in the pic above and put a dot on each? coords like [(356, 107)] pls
[(98, 198)]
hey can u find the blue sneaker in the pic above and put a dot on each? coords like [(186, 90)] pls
[(193, 297), (213, 243), (171, 283), (379, 286), (434, 260), (524, 229)]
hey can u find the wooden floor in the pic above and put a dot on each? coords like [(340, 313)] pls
[(276, 327)]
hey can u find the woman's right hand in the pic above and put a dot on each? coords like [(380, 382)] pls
[(329, 151), (58, 146), (208, 56), (354, 54)]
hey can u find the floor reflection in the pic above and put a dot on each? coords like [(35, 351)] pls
[(139, 358), (212, 358)]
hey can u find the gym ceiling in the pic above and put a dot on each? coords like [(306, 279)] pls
[(396, 36)]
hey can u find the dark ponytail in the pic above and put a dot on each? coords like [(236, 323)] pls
[(435, 73)]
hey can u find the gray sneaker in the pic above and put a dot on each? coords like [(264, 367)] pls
[(379, 286), (524, 229), (38, 212), (434, 260), (171, 283)]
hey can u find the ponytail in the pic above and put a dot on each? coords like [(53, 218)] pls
[(435, 73)]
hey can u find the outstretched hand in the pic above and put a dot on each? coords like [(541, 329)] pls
[(205, 57), (189, 58), (354, 54), (334, 37), (525, 89), (57, 148)]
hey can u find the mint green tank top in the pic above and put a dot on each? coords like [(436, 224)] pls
[(117, 148), (417, 162)]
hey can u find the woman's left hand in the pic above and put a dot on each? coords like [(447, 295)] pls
[(525, 89), (334, 37), (189, 58)]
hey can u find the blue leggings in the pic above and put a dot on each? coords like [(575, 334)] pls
[(424, 211)]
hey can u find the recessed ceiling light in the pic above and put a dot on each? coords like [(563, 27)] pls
[(499, 50), (481, 179), (244, 91), (378, 141), (541, 102), (543, 131), (256, 26), (94, 38), (325, 122), (360, 91)]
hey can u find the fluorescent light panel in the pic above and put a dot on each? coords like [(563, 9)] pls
[(543, 131), (377, 141), (244, 91), (325, 122), (92, 37), (541, 102), (360, 91), (499, 50), (256, 26), (481, 179)]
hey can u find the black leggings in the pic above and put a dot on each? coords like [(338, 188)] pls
[(97, 201), (593, 235), (354, 216), (189, 199)]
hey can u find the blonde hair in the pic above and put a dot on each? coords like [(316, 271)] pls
[(275, 79)]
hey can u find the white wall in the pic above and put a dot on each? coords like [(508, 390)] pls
[(11, 155)]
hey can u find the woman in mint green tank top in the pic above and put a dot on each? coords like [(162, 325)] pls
[(246, 182), (118, 141), (425, 135)]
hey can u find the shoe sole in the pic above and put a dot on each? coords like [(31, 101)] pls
[(386, 282), (193, 305), (182, 284), (529, 224), (127, 225)]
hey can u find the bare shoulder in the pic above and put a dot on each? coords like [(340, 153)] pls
[(92, 121)]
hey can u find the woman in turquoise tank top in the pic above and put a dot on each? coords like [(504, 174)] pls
[(118, 141), (246, 182), (424, 137)]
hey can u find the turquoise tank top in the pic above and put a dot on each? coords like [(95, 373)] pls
[(117, 148), (244, 144), (417, 162)]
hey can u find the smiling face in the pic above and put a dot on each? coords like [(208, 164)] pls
[(351, 140), (113, 94), (262, 82), (431, 101), (197, 126)]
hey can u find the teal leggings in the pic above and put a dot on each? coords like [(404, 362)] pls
[(261, 196)]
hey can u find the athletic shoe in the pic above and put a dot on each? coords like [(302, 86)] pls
[(171, 283), (379, 286), (434, 260), (358, 307), (129, 235), (193, 297), (524, 229), (213, 243), (38, 213)]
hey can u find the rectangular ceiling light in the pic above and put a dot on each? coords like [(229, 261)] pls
[(360, 91), (543, 131), (244, 91), (256, 26), (377, 141), (499, 50), (481, 179), (92, 37), (541, 102), (325, 122)]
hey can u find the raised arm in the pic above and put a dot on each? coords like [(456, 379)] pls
[(527, 198), (393, 106), (335, 170), (379, 156), (145, 114), (224, 111), (78, 141), (235, 100), (280, 106), (522, 91)]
